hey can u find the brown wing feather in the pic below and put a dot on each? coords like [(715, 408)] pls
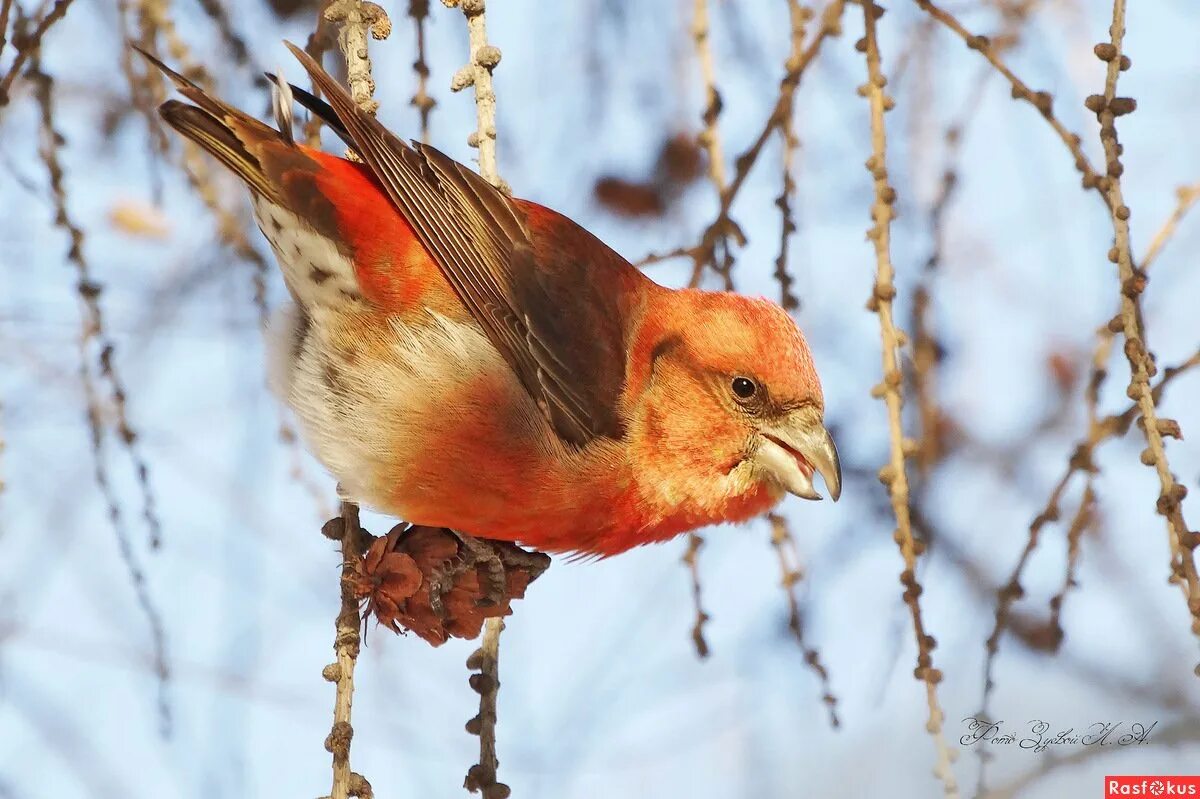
[(531, 304)]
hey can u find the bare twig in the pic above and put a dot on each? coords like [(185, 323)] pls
[(723, 228), (421, 100), (1186, 197), (346, 783), (27, 45), (319, 42), (485, 662), (710, 139), (1041, 100), (477, 72), (893, 475), (92, 340), (1084, 517), (1107, 108), (235, 45), (692, 561), (790, 575), (1082, 460), (798, 17), (5, 13), (710, 136), (356, 18), (145, 85)]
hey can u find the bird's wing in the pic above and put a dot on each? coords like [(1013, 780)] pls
[(536, 310)]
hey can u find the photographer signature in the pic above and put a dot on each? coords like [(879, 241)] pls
[(1038, 736)]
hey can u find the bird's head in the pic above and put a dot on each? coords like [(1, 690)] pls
[(729, 412)]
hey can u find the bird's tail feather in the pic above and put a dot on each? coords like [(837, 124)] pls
[(230, 135), (217, 138)]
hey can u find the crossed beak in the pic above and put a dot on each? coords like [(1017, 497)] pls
[(795, 447)]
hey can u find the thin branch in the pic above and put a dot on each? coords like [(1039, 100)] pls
[(485, 662), (1185, 199), (1107, 108), (477, 72), (27, 45), (1085, 517), (5, 12), (93, 338), (790, 575), (692, 561), (723, 228), (710, 136), (346, 783), (893, 475), (235, 45), (798, 17), (1041, 100), (357, 18), (421, 100), (1082, 460), (710, 139), (319, 42)]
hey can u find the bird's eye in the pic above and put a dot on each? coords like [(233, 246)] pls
[(744, 387)]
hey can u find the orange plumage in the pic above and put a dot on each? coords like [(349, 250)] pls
[(461, 359)]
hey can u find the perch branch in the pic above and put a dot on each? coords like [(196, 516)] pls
[(356, 18), (346, 529)]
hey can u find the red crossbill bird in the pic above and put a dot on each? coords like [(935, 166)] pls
[(458, 358)]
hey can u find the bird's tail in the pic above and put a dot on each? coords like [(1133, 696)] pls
[(230, 135)]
